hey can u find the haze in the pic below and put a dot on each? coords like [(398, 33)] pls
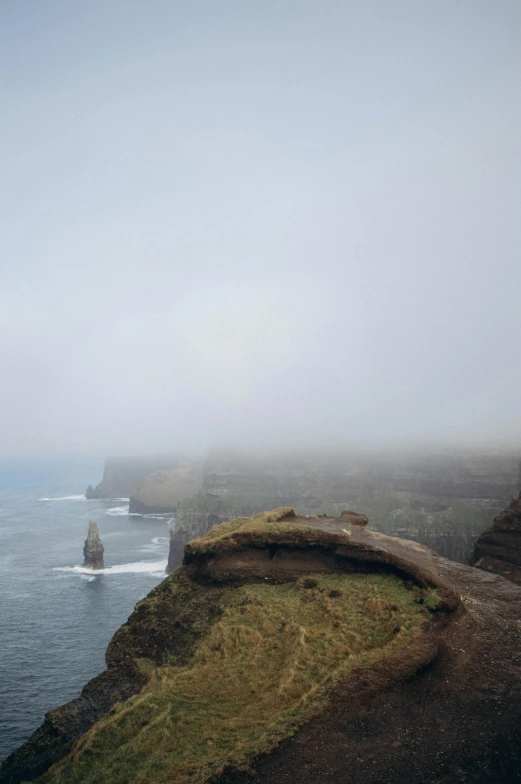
[(257, 222)]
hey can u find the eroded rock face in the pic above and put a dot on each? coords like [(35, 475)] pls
[(195, 516), (498, 549), (93, 549)]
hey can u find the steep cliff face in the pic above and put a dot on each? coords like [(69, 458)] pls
[(123, 476), (498, 549), (443, 501), (195, 516), (162, 491), (433, 482), (93, 549), (240, 661)]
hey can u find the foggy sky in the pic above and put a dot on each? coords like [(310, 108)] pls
[(259, 221)]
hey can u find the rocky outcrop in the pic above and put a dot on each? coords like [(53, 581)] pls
[(123, 476), (93, 549), (498, 549), (447, 711), (163, 491)]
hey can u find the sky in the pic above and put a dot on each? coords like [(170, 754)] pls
[(259, 222)]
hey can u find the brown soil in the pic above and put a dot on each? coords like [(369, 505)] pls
[(457, 721)]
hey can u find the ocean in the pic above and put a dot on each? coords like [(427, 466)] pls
[(56, 617)]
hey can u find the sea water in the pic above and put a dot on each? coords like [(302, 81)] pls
[(56, 617)]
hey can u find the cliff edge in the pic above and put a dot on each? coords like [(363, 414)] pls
[(304, 650)]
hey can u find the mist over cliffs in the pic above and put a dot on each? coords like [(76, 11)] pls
[(443, 499)]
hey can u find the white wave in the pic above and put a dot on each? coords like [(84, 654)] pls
[(156, 568), (65, 498), (117, 511), (87, 578), (157, 544)]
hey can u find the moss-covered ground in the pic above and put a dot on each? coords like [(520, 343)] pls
[(263, 667)]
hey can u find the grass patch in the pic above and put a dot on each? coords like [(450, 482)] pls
[(258, 522), (267, 665)]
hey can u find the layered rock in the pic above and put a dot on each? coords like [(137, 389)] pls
[(441, 500), (399, 722), (498, 549), (123, 476), (195, 516), (422, 480), (93, 549)]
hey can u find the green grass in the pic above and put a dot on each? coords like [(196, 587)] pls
[(262, 523), (266, 665)]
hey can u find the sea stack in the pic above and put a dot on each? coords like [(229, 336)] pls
[(93, 549)]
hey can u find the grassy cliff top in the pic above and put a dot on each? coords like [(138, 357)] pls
[(265, 663), (261, 530), (264, 522)]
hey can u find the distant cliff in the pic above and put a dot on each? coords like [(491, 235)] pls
[(441, 500), (498, 549), (123, 476), (162, 491)]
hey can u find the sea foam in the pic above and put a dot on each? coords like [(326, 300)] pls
[(64, 498), (154, 568)]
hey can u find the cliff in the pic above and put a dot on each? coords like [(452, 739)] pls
[(195, 516), (304, 650), (162, 491), (441, 500), (498, 549), (123, 476)]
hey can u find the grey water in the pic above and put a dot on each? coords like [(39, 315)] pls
[(55, 617)]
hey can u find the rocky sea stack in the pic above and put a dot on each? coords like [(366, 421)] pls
[(93, 549), (304, 650)]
